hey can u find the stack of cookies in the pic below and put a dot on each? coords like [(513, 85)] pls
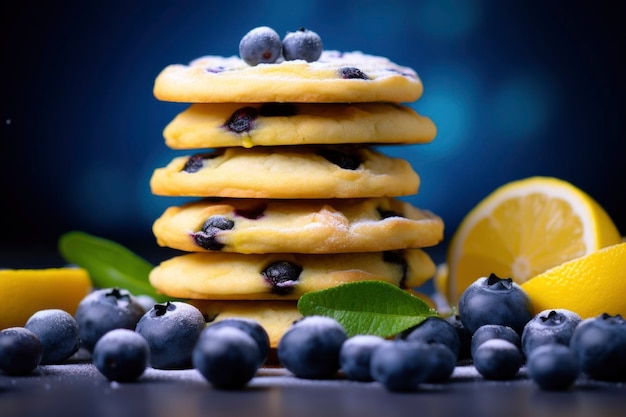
[(289, 190)]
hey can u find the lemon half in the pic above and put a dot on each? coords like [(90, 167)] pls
[(26, 291), (524, 228)]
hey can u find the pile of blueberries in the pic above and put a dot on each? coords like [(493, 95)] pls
[(494, 330)]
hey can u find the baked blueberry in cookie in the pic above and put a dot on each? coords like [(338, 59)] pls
[(243, 119), (195, 162), (352, 73), (397, 258), (207, 236), (341, 158), (282, 277)]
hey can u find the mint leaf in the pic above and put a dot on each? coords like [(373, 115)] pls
[(108, 263), (367, 307)]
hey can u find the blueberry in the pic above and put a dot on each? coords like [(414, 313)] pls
[(58, 333), (352, 73), (121, 355), (494, 331), (103, 310), (549, 326), (494, 300), (600, 345), (196, 161), (434, 330), (228, 357), (465, 337), (397, 257), (553, 366), (146, 301), (355, 355), (443, 362), (498, 359), (282, 277), (207, 237), (402, 365), (242, 120), (252, 327), (171, 330), (20, 351), (302, 44), (310, 347), (342, 158), (261, 45)]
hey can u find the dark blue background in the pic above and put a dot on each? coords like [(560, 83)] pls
[(517, 88)]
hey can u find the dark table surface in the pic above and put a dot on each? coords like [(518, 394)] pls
[(78, 389)]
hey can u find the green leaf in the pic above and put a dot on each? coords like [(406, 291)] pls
[(367, 307), (108, 263)]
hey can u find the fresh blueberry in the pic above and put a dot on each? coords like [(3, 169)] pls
[(121, 355), (103, 310), (146, 301), (443, 362), (58, 333), (553, 366), (494, 331), (498, 359), (252, 327), (228, 357), (434, 330), (402, 365), (20, 351), (310, 347), (494, 300), (465, 337), (600, 345), (171, 330), (355, 355), (261, 45), (549, 326), (302, 44)]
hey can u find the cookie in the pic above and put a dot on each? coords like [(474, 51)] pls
[(300, 226), (234, 276), (286, 172), (275, 316), (337, 77), (269, 124)]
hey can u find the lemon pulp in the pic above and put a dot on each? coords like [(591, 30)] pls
[(524, 228)]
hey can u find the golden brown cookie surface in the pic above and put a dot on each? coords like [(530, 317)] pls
[(286, 172), (336, 77), (269, 124), (300, 226), (234, 276)]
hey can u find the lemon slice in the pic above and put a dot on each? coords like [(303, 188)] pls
[(26, 291), (524, 228), (589, 285)]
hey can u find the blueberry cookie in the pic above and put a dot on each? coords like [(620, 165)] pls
[(336, 77), (234, 276), (275, 316), (286, 172), (300, 226), (267, 124)]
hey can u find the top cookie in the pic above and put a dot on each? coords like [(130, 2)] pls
[(336, 77)]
